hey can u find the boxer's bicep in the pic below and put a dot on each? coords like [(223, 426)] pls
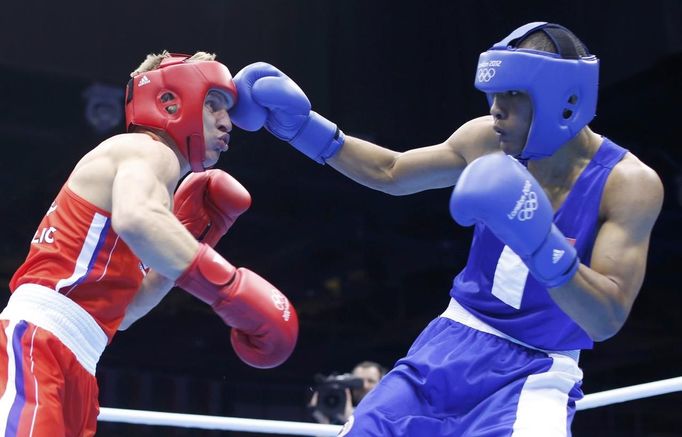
[(631, 203), (141, 216)]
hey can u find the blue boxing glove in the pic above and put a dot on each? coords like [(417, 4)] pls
[(498, 191), (269, 97)]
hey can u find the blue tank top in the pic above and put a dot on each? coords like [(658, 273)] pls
[(495, 284)]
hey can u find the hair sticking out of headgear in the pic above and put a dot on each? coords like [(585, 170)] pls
[(553, 38), (171, 98), (562, 84)]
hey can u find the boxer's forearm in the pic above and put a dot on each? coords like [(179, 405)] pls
[(398, 173), (153, 289)]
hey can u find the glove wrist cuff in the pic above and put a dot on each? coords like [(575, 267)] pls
[(319, 138), (555, 262), (207, 275)]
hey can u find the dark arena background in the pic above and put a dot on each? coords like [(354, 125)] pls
[(366, 271)]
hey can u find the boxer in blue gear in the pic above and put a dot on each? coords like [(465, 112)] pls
[(562, 228)]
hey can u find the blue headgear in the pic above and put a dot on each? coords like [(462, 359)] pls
[(562, 87)]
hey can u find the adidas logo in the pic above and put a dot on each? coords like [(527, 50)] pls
[(144, 81), (557, 255)]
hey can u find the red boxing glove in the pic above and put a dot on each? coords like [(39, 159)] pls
[(208, 204), (265, 324)]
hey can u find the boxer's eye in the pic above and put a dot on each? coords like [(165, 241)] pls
[(212, 106)]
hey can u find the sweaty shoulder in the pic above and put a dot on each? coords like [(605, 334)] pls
[(94, 174), (633, 192), (475, 138)]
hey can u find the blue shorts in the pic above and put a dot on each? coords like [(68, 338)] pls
[(458, 381)]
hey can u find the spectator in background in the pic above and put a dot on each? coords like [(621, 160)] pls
[(336, 396)]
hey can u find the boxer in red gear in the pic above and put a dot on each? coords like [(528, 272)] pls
[(109, 248)]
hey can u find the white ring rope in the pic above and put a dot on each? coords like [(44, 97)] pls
[(633, 392), (141, 417)]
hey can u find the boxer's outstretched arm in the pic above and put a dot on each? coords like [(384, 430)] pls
[(418, 169), (269, 98), (599, 297)]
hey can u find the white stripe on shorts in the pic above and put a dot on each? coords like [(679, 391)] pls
[(542, 410), (10, 393)]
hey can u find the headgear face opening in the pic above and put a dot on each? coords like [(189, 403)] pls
[(171, 98), (563, 90)]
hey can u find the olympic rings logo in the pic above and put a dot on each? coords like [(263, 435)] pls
[(525, 207), (281, 303), (485, 74), (529, 207)]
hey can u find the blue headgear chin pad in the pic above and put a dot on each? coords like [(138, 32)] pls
[(563, 91)]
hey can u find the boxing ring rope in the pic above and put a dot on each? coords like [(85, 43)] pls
[(631, 393), (141, 417)]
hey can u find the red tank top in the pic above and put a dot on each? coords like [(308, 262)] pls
[(77, 253)]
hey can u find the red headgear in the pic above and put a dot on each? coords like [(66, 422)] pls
[(171, 98)]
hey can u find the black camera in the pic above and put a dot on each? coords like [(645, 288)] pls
[(331, 393)]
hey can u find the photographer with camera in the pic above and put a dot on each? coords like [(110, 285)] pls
[(335, 396)]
